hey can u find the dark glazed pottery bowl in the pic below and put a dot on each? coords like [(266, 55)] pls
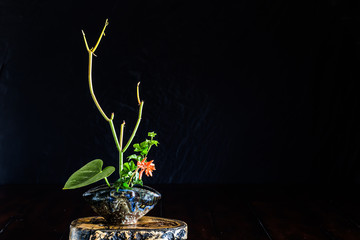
[(123, 206)]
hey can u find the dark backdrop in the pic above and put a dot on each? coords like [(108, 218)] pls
[(252, 92)]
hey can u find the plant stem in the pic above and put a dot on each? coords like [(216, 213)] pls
[(110, 120), (91, 53), (92, 90), (107, 182), (121, 162), (137, 93), (135, 129), (121, 153), (86, 44), (101, 35), (114, 135), (119, 144), (149, 147)]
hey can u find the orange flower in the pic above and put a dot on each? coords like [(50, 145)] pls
[(148, 167)]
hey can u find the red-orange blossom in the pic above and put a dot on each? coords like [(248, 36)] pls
[(148, 167)]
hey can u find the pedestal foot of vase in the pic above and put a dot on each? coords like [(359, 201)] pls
[(154, 228)]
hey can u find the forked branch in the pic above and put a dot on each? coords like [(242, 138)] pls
[(91, 52), (118, 142)]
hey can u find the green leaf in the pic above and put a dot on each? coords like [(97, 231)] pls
[(144, 152), (132, 156), (135, 157), (118, 183), (137, 147), (132, 166), (136, 180), (145, 144), (126, 166), (125, 173), (154, 142), (151, 134), (88, 174)]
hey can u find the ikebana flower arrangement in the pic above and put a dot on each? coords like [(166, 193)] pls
[(127, 199)]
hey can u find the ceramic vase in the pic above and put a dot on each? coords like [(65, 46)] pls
[(123, 206)]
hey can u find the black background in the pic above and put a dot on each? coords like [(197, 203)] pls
[(250, 92)]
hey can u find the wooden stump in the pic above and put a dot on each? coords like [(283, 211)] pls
[(147, 228)]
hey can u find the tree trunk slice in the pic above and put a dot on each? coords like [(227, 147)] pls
[(147, 228)]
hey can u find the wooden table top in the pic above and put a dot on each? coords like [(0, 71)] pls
[(255, 212)]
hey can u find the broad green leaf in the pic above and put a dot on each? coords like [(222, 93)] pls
[(88, 174)]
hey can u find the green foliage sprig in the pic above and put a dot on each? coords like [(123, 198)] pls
[(130, 173)]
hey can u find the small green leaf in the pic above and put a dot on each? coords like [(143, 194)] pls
[(151, 134), (132, 166), (125, 185), (136, 180), (125, 173), (126, 166), (88, 174), (118, 183), (145, 144), (137, 147), (154, 142), (133, 156)]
